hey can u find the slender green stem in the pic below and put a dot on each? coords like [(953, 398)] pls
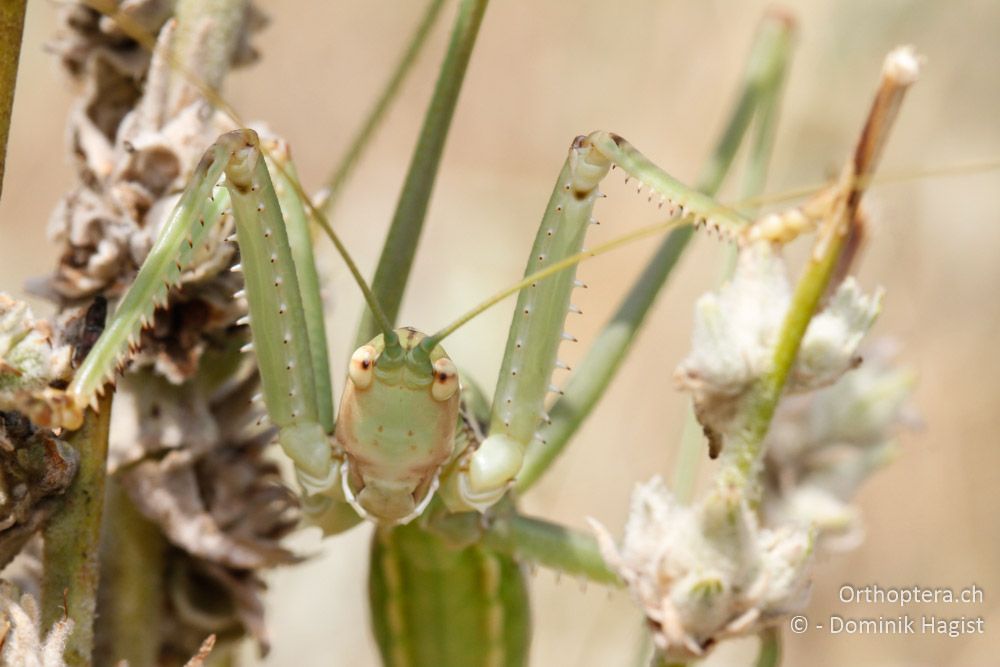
[(377, 114), (72, 539), (130, 595), (594, 373), (658, 660), (769, 654), (741, 457), (404, 233), (772, 65), (11, 30)]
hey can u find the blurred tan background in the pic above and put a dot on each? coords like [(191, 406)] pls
[(662, 74)]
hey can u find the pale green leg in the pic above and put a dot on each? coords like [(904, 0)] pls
[(537, 328)]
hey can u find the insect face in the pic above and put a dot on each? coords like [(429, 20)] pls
[(396, 425)]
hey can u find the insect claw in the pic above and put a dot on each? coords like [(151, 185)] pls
[(595, 221), (556, 390), (579, 283), (539, 438), (563, 366), (546, 418), (575, 309), (570, 337)]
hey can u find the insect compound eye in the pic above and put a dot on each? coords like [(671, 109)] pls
[(445, 379), (362, 367)]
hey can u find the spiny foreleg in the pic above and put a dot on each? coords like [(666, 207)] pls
[(277, 320), (483, 475)]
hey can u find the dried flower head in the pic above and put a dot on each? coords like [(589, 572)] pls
[(185, 445), (736, 330), (35, 467), (192, 460), (21, 638), (823, 446), (31, 363), (137, 136), (705, 572)]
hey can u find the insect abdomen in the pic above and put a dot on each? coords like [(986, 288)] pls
[(433, 605)]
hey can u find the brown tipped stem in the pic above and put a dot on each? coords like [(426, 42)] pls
[(741, 458), (72, 540), (11, 30)]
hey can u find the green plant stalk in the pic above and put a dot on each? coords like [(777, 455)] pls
[(11, 31), (592, 376), (72, 539), (404, 233), (377, 114), (742, 454), (130, 595), (690, 453), (769, 653)]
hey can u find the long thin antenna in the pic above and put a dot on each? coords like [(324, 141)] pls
[(886, 178), (561, 265), (137, 32)]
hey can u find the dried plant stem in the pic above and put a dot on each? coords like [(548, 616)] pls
[(11, 29), (130, 597), (741, 457), (72, 539), (214, 55)]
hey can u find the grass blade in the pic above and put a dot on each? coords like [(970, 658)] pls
[(407, 223)]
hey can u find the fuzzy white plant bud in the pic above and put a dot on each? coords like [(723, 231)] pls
[(22, 643), (29, 363), (823, 446), (706, 572), (736, 331)]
